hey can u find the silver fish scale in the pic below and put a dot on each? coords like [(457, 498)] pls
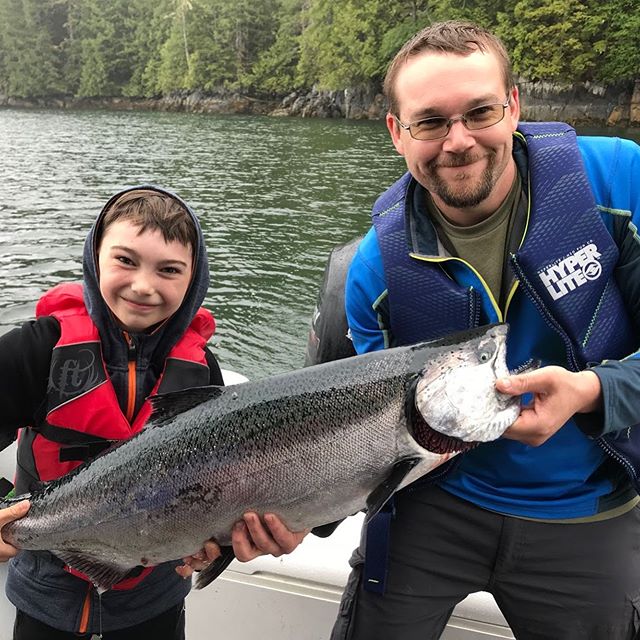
[(310, 446), (158, 496)]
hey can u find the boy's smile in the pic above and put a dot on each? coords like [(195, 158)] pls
[(143, 278)]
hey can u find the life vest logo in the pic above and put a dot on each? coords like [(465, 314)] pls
[(75, 372), (573, 271)]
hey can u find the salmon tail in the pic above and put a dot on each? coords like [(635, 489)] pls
[(208, 575)]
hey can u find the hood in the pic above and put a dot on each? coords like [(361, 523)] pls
[(153, 347)]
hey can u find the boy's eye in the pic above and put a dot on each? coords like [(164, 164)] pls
[(171, 270), (124, 259)]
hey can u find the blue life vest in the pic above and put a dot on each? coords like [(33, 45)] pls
[(567, 249)]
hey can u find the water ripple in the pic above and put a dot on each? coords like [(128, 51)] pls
[(273, 196)]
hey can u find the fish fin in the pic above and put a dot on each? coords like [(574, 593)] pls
[(166, 406), (10, 500), (36, 486), (102, 574), (384, 491), (210, 573)]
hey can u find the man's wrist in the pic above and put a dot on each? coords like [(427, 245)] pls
[(590, 390)]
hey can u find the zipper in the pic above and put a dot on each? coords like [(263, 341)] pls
[(131, 378), (620, 459), (475, 295), (86, 611), (544, 312), (475, 306), (609, 450)]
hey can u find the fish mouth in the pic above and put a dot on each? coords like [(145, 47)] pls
[(435, 441), (507, 411)]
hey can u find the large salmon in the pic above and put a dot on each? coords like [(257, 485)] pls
[(312, 446)]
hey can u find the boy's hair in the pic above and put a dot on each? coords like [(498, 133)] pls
[(460, 38), (153, 210)]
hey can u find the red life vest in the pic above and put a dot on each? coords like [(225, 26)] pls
[(83, 415)]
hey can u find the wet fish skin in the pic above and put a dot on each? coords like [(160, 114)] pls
[(311, 446)]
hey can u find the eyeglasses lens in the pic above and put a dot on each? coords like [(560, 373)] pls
[(474, 119)]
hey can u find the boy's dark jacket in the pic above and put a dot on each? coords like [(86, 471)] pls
[(37, 583)]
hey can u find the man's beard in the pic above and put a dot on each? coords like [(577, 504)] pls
[(465, 195)]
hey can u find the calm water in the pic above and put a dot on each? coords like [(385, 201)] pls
[(273, 196)]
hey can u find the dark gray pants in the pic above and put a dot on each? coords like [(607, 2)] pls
[(551, 581), (167, 626)]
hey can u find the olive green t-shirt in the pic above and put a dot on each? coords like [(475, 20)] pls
[(483, 245)]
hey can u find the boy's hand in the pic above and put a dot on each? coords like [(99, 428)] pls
[(199, 561), (14, 512), (251, 537)]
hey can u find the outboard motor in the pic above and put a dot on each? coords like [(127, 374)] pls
[(328, 334)]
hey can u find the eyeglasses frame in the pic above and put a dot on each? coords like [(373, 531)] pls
[(460, 118)]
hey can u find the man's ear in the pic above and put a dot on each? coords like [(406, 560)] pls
[(396, 133), (514, 107)]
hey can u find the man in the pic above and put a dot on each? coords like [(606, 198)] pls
[(497, 221)]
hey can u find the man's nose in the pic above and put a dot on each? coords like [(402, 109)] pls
[(459, 137)]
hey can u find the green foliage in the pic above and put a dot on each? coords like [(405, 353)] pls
[(29, 34), (551, 39), (153, 47), (616, 39), (275, 68), (340, 45), (149, 22)]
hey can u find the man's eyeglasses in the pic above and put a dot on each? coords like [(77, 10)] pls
[(477, 118)]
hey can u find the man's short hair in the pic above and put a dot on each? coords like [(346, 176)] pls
[(153, 210), (457, 37)]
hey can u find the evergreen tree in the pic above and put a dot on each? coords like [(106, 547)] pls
[(152, 47), (550, 39), (615, 40), (275, 69), (31, 55), (341, 43)]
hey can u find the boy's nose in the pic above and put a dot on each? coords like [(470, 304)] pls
[(142, 285)]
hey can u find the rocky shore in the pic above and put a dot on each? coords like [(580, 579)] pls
[(577, 104)]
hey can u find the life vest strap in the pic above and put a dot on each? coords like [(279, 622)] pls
[(83, 452), (374, 573)]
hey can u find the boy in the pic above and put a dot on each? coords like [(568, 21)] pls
[(79, 376)]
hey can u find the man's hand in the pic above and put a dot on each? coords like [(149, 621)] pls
[(14, 512), (558, 394), (251, 537)]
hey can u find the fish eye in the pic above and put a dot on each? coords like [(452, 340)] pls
[(484, 356)]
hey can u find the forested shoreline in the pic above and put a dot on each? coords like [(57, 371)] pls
[(264, 55)]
